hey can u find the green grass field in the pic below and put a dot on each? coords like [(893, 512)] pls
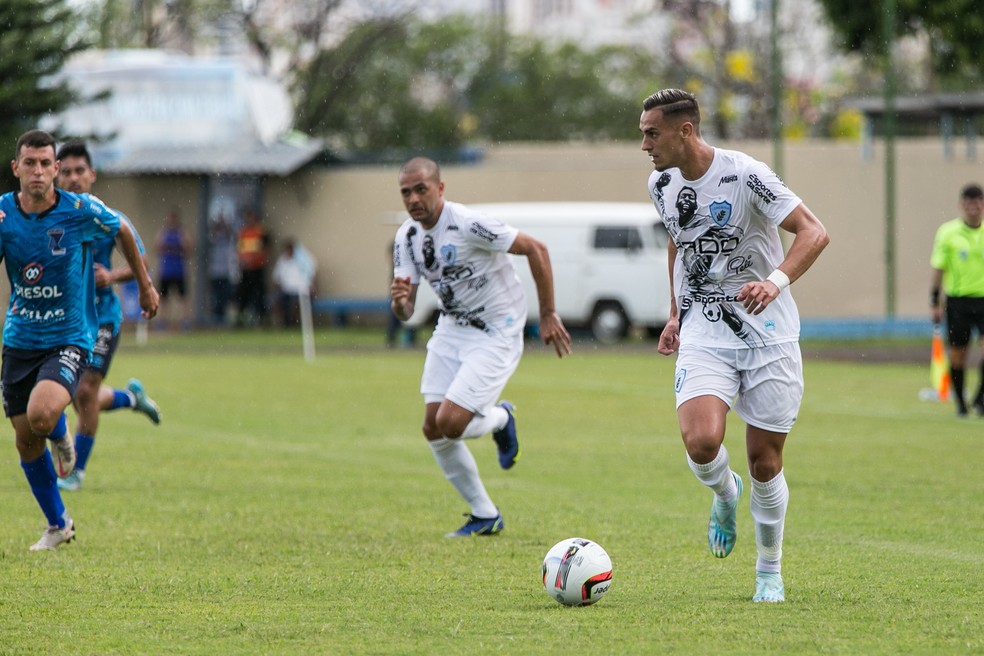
[(292, 508)]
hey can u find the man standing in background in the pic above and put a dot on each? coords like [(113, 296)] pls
[(958, 270)]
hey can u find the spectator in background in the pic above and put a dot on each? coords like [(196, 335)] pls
[(293, 275), (254, 244), (173, 249), (223, 266)]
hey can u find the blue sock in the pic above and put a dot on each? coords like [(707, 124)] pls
[(121, 399), (61, 428), (83, 445), (41, 477)]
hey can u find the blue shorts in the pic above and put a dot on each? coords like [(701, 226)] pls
[(102, 353), (22, 369)]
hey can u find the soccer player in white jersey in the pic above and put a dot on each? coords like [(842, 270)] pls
[(478, 341), (733, 322)]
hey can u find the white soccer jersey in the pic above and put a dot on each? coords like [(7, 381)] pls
[(463, 258), (724, 226)]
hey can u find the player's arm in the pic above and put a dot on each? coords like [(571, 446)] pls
[(127, 243), (552, 329), (669, 339), (403, 295), (935, 300), (809, 241)]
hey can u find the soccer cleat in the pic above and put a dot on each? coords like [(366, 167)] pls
[(478, 526), (769, 588), (72, 482), (722, 529), (144, 403), (54, 536), (506, 440), (64, 452)]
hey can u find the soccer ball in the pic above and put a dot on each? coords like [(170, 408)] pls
[(577, 572)]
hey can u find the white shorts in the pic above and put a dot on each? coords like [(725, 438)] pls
[(468, 367), (764, 384)]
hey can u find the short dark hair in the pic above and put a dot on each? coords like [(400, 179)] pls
[(972, 191), (425, 164), (75, 148), (34, 139), (674, 101)]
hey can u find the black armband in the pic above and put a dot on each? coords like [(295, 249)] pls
[(934, 297)]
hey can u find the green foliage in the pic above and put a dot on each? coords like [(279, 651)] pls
[(400, 83), (285, 508), (954, 28), (36, 38)]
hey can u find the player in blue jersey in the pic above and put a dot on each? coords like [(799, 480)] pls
[(49, 330), (76, 174)]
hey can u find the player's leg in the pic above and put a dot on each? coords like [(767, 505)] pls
[(452, 455), (979, 325), (87, 406), (769, 501), (704, 384), (487, 364), (958, 334), (769, 401)]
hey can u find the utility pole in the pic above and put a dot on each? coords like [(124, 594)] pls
[(889, 36)]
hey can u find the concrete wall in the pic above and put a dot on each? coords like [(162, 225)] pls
[(348, 216)]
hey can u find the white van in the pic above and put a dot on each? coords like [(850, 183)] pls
[(609, 263)]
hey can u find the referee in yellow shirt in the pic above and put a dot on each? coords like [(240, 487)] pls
[(958, 266)]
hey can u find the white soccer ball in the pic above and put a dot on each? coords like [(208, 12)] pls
[(577, 572)]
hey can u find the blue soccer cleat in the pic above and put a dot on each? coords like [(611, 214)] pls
[(722, 529), (769, 588), (506, 440), (144, 403), (478, 526)]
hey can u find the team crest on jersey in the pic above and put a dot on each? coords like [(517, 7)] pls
[(720, 212), (449, 253), (55, 236)]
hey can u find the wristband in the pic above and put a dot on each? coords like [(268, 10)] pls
[(779, 279), (934, 298)]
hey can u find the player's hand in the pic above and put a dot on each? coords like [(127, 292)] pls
[(936, 314), (102, 275), (400, 290), (756, 296), (669, 339), (552, 332), (149, 302)]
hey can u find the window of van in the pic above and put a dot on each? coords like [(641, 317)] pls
[(618, 238), (662, 236)]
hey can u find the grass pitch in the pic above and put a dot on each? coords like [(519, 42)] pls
[(292, 508)]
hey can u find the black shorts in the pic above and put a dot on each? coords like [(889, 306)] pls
[(963, 314), (103, 351), (22, 369), (167, 283)]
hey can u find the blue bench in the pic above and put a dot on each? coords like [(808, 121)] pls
[(339, 309)]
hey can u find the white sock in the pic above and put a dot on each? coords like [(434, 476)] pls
[(459, 467), (493, 419), (716, 475), (769, 501)]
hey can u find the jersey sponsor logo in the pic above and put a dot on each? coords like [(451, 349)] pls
[(721, 212), (55, 236), (760, 189), (482, 232), (728, 179), (32, 273), (37, 291), (449, 253)]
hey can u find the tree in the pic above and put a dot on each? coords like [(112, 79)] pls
[(398, 83), (953, 29), (37, 38)]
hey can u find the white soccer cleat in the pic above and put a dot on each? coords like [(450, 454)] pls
[(769, 588), (64, 452), (54, 536)]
